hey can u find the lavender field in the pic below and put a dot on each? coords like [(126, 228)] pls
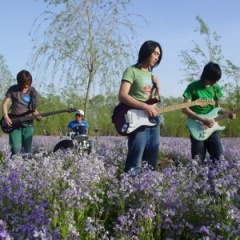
[(64, 195)]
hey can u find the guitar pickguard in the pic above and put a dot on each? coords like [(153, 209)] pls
[(137, 118)]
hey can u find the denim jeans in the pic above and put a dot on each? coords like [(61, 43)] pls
[(21, 137), (212, 144), (143, 145)]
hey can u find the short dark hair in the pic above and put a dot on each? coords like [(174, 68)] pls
[(146, 50), (212, 72), (23, 77)]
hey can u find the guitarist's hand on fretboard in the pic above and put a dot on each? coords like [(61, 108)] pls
[(232, 115), (36, 114)]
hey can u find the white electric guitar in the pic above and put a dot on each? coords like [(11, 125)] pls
[(201, 132), (127, 119)]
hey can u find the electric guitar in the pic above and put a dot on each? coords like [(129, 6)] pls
[(19, 120), (127, 119), (201, 132)]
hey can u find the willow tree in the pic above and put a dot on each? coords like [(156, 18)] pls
[(6, 77), (84, 44), (209, 50), (233, 72)]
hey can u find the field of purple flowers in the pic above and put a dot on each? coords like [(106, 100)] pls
[(64, 195)]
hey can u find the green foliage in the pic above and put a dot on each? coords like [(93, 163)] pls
[(55, 124), (99, 118), (173, 123)]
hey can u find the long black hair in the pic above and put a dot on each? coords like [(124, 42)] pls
[(146, 50)]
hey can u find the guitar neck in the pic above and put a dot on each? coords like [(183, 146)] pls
[(225, 115), (31, 117), (175, 107)]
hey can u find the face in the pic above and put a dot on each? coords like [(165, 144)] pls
[(154, 57), (208, 82), (79, 117), (26, 85)]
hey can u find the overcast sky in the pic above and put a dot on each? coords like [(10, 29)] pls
[(170, 22)]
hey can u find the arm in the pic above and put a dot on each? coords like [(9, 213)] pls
[(156, 81), (125, 98), (5, 111), (205, 121), (69, 128), (231, 115), (35, 101)]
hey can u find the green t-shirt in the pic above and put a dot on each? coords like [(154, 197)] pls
[(197, 91), (141, 83)]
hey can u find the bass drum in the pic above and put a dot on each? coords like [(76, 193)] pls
[(79, 133), (64, 144)]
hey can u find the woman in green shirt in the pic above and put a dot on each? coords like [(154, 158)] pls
[(136, 88)]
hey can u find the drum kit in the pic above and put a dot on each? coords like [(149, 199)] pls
[(78, 139)]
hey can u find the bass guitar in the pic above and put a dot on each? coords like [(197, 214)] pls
[(127, 119), (201, 132), (19, 120)]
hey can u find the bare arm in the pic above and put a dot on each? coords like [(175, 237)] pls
[(157, 83), (125, 98), (231, 115), (6, 101)]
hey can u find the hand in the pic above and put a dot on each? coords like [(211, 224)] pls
[(209, 122), (8, 120), (37, 116), (232, 116), (151, 110)]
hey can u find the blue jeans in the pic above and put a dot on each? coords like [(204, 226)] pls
[(213, 145), (143, 145)]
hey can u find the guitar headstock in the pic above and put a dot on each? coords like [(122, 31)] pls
[(204, 102), (70, 110)]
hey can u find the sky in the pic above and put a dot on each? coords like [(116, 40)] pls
[(170, 22)]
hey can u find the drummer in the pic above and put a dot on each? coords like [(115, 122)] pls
[(79, 115), (79, 121)]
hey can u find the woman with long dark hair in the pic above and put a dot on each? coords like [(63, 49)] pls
[(137, 85)]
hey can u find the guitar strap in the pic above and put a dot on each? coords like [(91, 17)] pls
[(34, 105), (216, 95), (155, 93)]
